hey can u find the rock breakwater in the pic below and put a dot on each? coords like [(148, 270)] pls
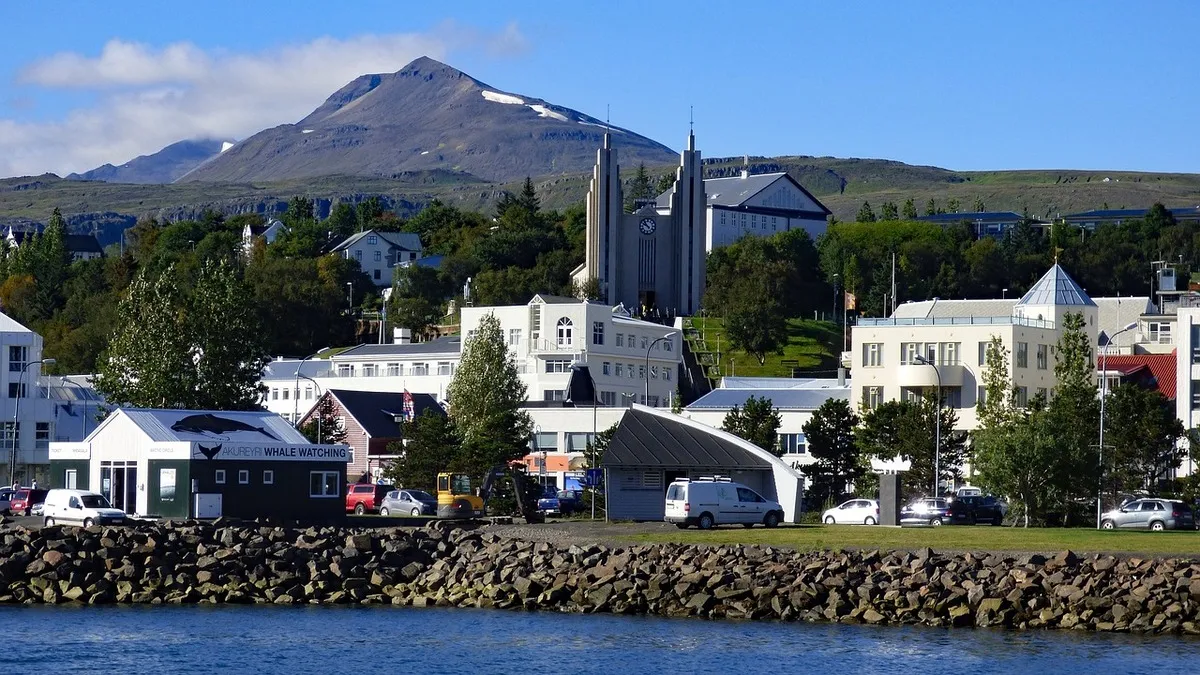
[(445, 565)]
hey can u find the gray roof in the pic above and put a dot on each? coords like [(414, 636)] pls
[(375, 411), (556, 299), (943, 309), (285, 369), (731, 191), (407, 241), (444, 345), (165, 426), (646, 439), (784, 399), (1056, 287), (734, 382)]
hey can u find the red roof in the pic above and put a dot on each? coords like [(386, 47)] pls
[(1162, 367)]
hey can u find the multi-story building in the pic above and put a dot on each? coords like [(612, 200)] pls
[(378, 252), (26, 416)]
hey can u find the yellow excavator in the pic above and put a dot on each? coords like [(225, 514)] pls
[(457, 500)]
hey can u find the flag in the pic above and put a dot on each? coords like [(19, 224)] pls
[(410, 409), (851, 301)]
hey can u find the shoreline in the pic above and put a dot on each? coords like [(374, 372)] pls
[(448, 565)]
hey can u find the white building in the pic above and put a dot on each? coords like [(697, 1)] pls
[(756, 205), (378, 252), (268, 231), (27, 418)]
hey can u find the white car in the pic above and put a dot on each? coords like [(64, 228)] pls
[(707, 502), (79, 507), (853, 512)]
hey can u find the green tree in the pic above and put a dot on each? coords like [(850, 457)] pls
[(324, 425), (485, 402), (906, 429), (1073, 416), (639, 188), (931, 207), (910, 210), (757, 328), (888, 211), (227, 347), (665, 182), (1145, 437), (830, 436), (952, 205), (757, 421), (977, 207), (529, 199), (430, 445), (865, 214)]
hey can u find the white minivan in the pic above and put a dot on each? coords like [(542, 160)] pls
[(707, 502), (79, 507)]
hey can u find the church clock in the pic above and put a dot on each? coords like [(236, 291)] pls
[(647, 226)]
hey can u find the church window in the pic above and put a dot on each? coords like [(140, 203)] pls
[(565, 332)]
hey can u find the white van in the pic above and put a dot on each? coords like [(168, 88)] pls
[(79, 507), (707, 502)]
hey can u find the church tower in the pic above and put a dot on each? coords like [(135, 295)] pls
[(604, 210), (688, 222)]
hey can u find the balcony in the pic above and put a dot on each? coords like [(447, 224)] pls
[(920, 375)]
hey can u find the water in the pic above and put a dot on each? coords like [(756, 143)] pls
[(170, 639)]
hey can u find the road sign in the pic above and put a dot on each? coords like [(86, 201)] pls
[(594, 478)]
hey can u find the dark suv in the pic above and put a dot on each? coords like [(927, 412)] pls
[(365, 497), (982, 509)]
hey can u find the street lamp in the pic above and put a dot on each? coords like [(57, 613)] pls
[(937, 424), (1003, 293), (318, 399), (1104, 395), (12, 465), (647, 372), (835, 298), (350, 292), (296, 391)]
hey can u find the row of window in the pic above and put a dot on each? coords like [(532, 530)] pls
[(41, 435), (630, 340), (872, 397), (394, 369), (627, 370), (753, 221), (948, 354), (607, 398), (243, 477)]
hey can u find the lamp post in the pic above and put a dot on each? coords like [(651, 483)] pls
[(1003, 293), (318, 392), (937, 424), (835, 302), (647, 373), (350, 294), (296, 391), (12, 464), (1103, 396)]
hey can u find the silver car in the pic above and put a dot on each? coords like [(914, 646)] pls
[(6, 495), (1150, 514), (408, 503)]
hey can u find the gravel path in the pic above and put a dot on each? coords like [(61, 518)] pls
[(581, 532)]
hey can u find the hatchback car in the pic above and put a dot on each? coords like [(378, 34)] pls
[(563, 502), (1150, 514), (6, 495), (22, 502), (853, 512), (408, 503), (931, 511)]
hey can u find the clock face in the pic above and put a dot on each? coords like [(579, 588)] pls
[(646, 226)]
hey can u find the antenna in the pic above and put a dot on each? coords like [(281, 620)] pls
[(691, 119), (607, 116)]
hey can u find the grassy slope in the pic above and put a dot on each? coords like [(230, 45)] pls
[(981, 538), (812, 345)]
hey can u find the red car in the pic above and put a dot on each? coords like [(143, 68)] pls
[(365, 497), (24, 499)]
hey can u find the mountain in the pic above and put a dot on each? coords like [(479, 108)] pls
[(428, 116), (164, 166)]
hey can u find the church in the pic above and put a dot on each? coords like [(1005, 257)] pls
[(655, 258)]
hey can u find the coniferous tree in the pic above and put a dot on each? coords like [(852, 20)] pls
[(757, 421), (888, 211), (978, 206), (865, 214), (931, 207), (910, 210), (324, 425), (431, 444), (830, 436)]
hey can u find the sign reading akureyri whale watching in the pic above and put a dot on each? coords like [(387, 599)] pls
[(260, 452)]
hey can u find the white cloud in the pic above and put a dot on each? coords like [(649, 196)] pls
[(150, 97)]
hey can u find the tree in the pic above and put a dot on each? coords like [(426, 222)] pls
[(227, 345), (952, 205), (977, 207), (906, 429), (865, 214), (1073, 416), (529, 199), (485, 397), (1145, 440), (888, 211), (931, 207), (324, 425), (830, 436), (910, 210), (665, 182), (757, 328), (639, 188), (430, 445), (757, 421)]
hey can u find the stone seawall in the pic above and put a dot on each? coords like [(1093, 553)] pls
[(444, 565)]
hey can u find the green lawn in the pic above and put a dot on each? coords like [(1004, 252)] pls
[(812, 346), (978, 538)]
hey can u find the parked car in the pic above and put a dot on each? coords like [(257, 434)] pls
[(934, 511), (973, 509), (853, 512), (37, 510), (6, 495), (408, 502), (708, 502), (564, 502), (80, 506), (1150, 514), (365, 497), (22, 502)]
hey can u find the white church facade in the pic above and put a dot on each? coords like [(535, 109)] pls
[(758, 205)]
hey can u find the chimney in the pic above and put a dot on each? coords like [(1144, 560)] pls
[(745, 167), (402, 336), (841, 376)]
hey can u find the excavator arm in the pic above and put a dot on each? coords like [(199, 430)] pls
[(526, 507)]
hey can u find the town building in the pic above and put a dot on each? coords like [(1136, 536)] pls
[(80, 246), (1090, 220), (268, 232), (994, 224), (379, 252), (27, 417), (204, 464)]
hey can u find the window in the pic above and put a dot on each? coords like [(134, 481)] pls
[(597, 332), (667, 346), (17, 355), (378, 256), (1042, 357), (949, 353), (654, 372), (358, 255), (15, 390), (514, 337), (1195, 394), (558, 365), (308, 393), (376, 275), (166, 485), (632, 340), (666, 373), (243, 476), (274, 394), (652, 401), (1022, 397), (394, 370), (792, 444), (642, 372), (872, 397), (41, 434), (345, 370), (445, 368), (578, 442), (564, 332), (645, 342), (605, 368), (620, 340), (629, 371), (620, 368), (342, 424), (909, 352), (372, 240), (980, 395), (545, 442), (268, 477), (1159, 332), (608, 398), (952, 397), (323, 484), (284, 393), (419, 369), (1022, 354), (219, 476), (872, 355), (983, 347)]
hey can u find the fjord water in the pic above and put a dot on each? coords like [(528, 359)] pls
[(171, 639)]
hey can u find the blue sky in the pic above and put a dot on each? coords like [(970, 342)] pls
[(963, 85)]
